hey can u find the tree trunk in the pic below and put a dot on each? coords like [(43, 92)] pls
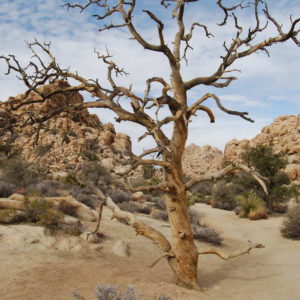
[(185, 259)]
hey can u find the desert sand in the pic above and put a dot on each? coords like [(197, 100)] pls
[(37, 271)]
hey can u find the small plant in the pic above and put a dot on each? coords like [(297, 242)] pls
[(206, 234), (223, 196), (252, 206), (119, 196), (47, 188), (111, 292), (40, 211), (42, 150), (291, 226), (68, 180), (11, 216), (135, 207)]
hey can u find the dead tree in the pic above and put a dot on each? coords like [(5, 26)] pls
[(181, 252)]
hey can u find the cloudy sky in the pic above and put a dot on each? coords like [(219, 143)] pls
[(267, 86)]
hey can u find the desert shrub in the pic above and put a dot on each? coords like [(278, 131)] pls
[(92, 171), (68, 180), (160, 215), (135, 207), (119, 196), (159, 203), (223, 196), (11, 216), (291, 226), (67, 208), (111, 292), (40, 211), (42, 150), (203, 188), (206, 234), (252, 206), (19, 172), (46, 187), (6, 189), (84, 196)]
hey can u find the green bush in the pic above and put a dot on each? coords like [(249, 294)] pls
[(11, 216), (252, 206), (291, 226), (270, 165), (39, 210)]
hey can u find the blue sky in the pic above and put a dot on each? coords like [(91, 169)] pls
[(267, 87)]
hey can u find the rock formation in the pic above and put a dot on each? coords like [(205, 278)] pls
[(65, 140), (283, 134), (199, 160)]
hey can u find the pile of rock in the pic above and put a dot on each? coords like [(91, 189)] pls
[(199, 160), (66, 139), (283, 134)]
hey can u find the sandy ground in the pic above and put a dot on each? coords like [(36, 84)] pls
[(269, 273)]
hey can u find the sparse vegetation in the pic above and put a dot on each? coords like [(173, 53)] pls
[(92, 171), (6, 189), (39, 210), (223, 196), (47, 188), (111, 292), (251, 206), (119, 196), (19, 172), (135, 207), (206, 234), (291, 226), (11, 216)]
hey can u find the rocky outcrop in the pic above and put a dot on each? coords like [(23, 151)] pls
[(65, 140), (199, 160), (283, 134)]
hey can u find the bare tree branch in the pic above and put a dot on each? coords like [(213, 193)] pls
[(225, 256), (197, 106)]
